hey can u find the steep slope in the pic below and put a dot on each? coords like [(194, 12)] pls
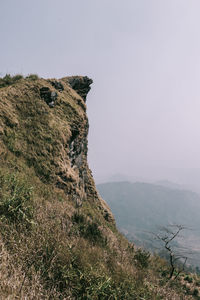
[(50, 141), (58, 238)]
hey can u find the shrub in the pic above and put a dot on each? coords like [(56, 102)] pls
[(17, 77), (188, 279), (142, 259), (93, 233), (78, 218), (89, 230), (8, 80), (32, 77)]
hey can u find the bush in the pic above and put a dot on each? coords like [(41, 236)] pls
[(89, 230), (93, 234), (32, 77), (78, 218), (142, 259), (188, 279), (8, 80)]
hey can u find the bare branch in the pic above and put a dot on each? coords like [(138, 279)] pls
[(166, 235)]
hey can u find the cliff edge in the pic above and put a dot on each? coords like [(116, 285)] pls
[(44, 124)]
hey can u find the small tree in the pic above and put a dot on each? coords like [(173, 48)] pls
[(167, 236)]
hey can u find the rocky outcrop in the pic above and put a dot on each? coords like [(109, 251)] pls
[(81, 84), (49, 131)]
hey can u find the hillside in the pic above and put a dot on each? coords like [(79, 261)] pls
[(141, 208), (58, 238)]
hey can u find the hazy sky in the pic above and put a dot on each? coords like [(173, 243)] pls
[(144, 58)]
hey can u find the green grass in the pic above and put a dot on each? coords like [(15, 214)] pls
[(16, 199), (88, 229)]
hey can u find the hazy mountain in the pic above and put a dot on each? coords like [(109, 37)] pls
[(142, 207), (172, 185), (178, 178)]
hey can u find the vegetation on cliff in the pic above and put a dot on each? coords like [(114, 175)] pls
[(58, 238)]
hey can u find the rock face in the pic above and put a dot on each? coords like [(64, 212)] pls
[(81, 85)]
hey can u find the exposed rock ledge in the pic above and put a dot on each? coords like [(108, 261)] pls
[(81, 84)]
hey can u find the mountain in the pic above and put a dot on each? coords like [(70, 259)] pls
[(171, 185), (141, 208), (58, 238)]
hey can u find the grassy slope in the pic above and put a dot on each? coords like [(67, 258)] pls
[(50, 246)]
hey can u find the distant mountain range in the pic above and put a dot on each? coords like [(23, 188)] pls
[(188, 179), (140, 208)]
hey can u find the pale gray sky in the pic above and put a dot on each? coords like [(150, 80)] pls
[(144, 58)]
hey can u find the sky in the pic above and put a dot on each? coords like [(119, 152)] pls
[(144, 58)]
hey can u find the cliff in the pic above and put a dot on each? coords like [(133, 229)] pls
[(58, 238), (44, 124)]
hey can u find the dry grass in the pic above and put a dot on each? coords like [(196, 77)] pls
[(14, 284)]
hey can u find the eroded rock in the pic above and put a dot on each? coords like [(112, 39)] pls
[(48, 96), (80, 84)]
